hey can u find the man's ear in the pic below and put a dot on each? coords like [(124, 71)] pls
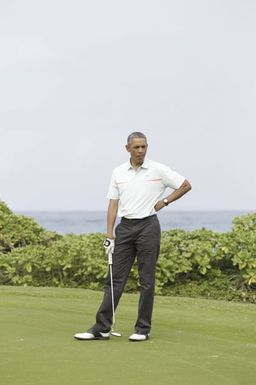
[(127, 147)]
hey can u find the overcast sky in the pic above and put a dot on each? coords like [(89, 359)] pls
[(76, 77)]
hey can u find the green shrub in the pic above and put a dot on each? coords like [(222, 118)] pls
[(19, 231), (196, 263), (75, 261), (243, 241)]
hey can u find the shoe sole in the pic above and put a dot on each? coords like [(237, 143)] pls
[(92, 339), (132, 340)]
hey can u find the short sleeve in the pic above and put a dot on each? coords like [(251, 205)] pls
[(171, 178), (113, 192)]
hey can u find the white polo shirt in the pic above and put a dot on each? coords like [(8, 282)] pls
[(139, 190)]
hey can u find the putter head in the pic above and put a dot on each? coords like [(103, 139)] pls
[(115, 334)]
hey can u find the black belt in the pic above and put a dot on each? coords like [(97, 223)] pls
[(124, 219)]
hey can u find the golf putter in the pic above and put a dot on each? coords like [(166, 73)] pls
[(110, 263)]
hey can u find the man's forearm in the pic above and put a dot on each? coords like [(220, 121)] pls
[(176, 194), (111, 217)]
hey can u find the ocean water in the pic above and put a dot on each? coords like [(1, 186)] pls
[(80, 222)]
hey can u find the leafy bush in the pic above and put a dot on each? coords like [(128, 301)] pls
[(71, 261), (195, 263), (19, 231), (186, 254)]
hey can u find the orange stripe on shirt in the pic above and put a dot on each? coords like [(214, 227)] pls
[(153, 180)]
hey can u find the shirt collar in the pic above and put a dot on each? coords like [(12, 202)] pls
[(145, 164)]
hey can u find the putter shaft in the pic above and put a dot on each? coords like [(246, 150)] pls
[(110, 262)]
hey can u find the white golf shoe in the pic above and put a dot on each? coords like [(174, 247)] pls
[(137, 337), (91, 336)]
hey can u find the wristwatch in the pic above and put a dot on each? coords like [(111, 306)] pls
[(165, 202)]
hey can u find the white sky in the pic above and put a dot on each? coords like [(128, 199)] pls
[(76, 77)]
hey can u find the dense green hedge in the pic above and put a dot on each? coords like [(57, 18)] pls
[(191, 263), (20, 231)]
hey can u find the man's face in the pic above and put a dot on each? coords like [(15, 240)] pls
[(138, 149)]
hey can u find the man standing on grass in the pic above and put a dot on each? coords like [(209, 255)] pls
[(135, 195)]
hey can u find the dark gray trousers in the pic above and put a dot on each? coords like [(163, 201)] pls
[(134, 237)]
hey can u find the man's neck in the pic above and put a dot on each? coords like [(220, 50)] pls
[(135, 165)]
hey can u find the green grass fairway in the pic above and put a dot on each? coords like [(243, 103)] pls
[(193, 341)]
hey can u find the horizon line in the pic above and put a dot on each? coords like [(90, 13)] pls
[(105, 210)]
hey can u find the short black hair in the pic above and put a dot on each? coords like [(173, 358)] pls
[(136, 134)]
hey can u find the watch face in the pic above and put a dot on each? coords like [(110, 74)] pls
[(166, 202)]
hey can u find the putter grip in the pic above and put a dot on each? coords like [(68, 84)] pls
[(110, 259)]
